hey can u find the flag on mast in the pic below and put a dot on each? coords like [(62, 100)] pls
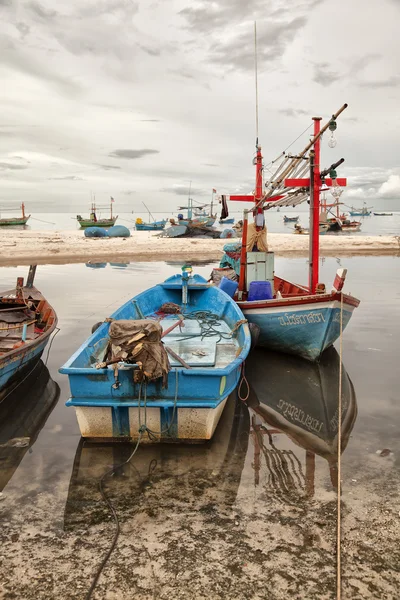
[(214, 191), (112, 199)]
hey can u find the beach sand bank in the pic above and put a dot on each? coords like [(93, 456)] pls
[(55, 247)]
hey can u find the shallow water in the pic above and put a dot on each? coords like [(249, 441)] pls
[(371, 225), (251, 514)]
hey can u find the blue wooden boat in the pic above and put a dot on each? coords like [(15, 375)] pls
[(361, 212), (226, 221), (26, 323), (206, 357), (155, 226)]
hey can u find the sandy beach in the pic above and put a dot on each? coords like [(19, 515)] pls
[(54, 247)]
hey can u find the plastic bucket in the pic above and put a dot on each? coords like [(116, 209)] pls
[(228, 286), (260, 290)]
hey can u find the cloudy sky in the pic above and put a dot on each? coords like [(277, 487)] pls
[(135, 99)]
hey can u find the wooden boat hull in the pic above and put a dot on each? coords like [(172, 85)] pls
[(200, 221), (16, 362), (226, 221), (84, 223), (303, 326), (383, 214), (198, 394), (360, 214), (157, 226), (16, 221), (290, 219)]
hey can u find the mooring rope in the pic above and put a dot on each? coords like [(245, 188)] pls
[(339, 487)]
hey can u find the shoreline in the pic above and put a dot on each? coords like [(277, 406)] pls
[(59, 247)]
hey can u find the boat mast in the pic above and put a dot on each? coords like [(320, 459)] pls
[(315, 188), (23, 210)]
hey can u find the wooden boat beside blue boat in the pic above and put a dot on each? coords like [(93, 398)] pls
[(26, 323), (383, 214), (292, 318), (177, 399), (93, 221)]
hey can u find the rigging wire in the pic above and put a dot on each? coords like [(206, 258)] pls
[(256, 78), (339, 487)]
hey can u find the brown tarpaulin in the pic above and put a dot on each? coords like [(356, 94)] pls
[(256, 238), (140, 342)]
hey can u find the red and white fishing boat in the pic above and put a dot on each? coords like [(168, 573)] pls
[(302, 320)]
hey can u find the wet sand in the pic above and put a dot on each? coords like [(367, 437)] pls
[(204, 522), (18, 247)]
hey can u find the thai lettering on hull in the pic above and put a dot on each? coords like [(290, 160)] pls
[(311, 317)]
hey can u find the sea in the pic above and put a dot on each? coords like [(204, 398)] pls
[(372, 225)]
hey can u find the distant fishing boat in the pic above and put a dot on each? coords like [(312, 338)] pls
[(226, 221), (299, 230), (22, 220), (151, 225), (360, 212), (123, 385), (290, 219), (26, 323), (93, 221), (337, 222), (383, 214), (155, 226), (195, 214)]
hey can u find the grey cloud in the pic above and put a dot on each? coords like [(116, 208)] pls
[(150, 51), (132, 154), (41, 11), (4, 166), (238, 53), (108, 167), (210, 165), (385, 83), (294, 112), (68, 177), (323, 75), (184, 191), (23, 28)]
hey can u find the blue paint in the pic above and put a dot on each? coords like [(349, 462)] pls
[(120, 421), (199, 387), (156, 226), (306, 332), (169, 421), (10, 365)]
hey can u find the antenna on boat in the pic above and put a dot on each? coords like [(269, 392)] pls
[(255, 74)]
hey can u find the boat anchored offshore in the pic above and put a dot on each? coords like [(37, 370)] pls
[(151, 225), (125, 383), (292, 318), (22, 220), (26, 323), (93, 221)]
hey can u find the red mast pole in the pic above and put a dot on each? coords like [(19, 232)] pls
[(314, 267)]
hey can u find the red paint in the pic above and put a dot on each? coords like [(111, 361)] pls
[(342, 181), (251, 198), (243, 256)]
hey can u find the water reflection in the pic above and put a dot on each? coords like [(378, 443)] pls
[(160, 473), (102, 265), (289, 395), (23, 414)]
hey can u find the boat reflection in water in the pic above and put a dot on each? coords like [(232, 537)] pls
[(166, 472), (300, 399), (23, 414), (102, 265)]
